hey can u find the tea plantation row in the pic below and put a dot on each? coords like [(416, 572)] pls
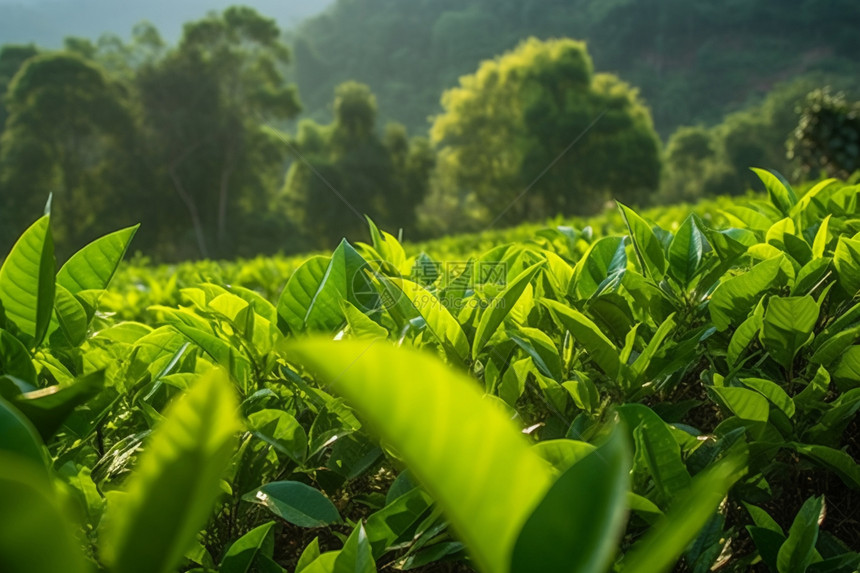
[(635, 393)]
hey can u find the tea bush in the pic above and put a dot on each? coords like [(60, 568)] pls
[(673, 389)]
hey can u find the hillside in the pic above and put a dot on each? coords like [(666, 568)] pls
[(47, 22), (694, 61)]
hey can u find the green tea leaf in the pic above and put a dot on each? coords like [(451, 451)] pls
[(388, 524), (686, 251), (15, 359), (500, 307), (311, 298), (846, 259), (49, 407), (671, 535), (27, 282), (282, 431), (355, 557), (71, 316), (574, 531), (837, 461), (20, 438), (242, 556), (780, 192), (599, 347), (796, 554), (648, 248), (475, 462), (743, 403), (295, 502), (605, 259), (172, 492), (773, 392), (93, 267), (439, 319), (734, 298), (787, 326), (35, 532)]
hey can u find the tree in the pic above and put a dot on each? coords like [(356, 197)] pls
[(205, 105), (346, 170), (539, 122), (689, 153), (716, 160), (70, 131), (827, 136), (12, 57)]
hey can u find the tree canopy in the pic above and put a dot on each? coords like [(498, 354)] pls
[(69, 132), (348, 169), (694, 61), (536, 133)]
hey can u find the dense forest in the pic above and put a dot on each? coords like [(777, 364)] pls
[(242, 137), (693, 61)]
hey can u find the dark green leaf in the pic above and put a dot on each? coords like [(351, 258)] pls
[(571, 531), (295, 502)]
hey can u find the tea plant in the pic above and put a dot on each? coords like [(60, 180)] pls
[(645, 397)]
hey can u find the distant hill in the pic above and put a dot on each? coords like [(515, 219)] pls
[(47, 22), (693, 60)]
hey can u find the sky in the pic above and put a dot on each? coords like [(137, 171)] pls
[(47, 22)]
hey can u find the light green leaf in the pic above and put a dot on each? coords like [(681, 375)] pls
[(172, 492), (640, 365), (686, 251), (310, 554), (797, 553), (224, 353), (743, 403), (780, 192), (27, 282), (671, 535), (475, 462), (542, 350), (846, 374), (295, 502), (20, 438), (71, 316), (598, 346), (282, 431), (846, 259), (35, 532), (361, 325), (773, 392), (577, 525), (243, 554), (605, 259), (819, 244), (92, 267), (388, 524), (439, 319), (658, 447), (787, 326), (744, 335), (648, 248), (311, 298), (355, 557), (500, 307), (734, 298)]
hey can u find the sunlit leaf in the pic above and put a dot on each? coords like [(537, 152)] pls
[(475, 462)]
